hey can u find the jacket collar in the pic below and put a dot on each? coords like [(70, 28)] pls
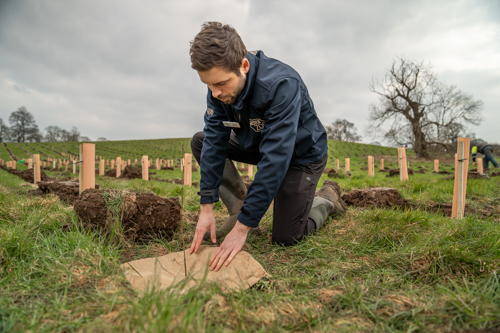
[(246, 93)]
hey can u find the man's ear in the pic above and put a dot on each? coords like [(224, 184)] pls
[(245, 65)]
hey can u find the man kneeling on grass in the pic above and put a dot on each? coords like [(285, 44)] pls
[(258, 112)]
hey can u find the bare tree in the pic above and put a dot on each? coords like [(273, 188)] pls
[(419, 110), (342, 130), (23, 126), (53, 134)]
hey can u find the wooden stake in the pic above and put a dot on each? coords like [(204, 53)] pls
[(381, 164), (187, 179), (403, 170), (14, 165), (461, 170), (250, 170), (158, 167), (337, 164), (101, 167), (74, 166), (36, 169), (480, 168), (87, 166), (145, 167), (436, 166), (112, 164), (370, 166), (347, 164), (118, 167)]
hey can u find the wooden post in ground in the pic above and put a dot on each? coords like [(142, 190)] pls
[(107, 162), (370, 166), (145, 167), (158, 167), (74, 166), (187, 178), (461, 170), (164, 163), (66, 165), (60, 164), (436, 166), (87, 166), (36, 169), (337, 164), (347, 164), (118, 167), (403, 167), (101, 167), (480, 167), (112, 164), (14, 165), (250, 170), (381, 164), (242, 165)]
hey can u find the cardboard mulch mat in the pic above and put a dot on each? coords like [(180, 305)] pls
[(168, 271)]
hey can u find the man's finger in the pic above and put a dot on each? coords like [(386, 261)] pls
[(221, 261), (215, 256), (231, 256), (191, 249), (213, 234)]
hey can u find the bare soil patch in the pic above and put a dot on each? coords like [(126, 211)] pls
[(375, 197), (28, 175), (142, 216), (67, 191)]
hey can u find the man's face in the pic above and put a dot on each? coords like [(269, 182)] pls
[(225, 86)]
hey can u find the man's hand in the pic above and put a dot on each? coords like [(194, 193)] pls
[(232, 244), (206, 222)]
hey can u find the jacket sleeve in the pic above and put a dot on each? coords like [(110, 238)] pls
[(214, 151), (277, 147)]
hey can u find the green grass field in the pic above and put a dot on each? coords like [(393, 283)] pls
[(372, 270)]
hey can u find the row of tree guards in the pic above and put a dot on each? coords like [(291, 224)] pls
[(87, 160)]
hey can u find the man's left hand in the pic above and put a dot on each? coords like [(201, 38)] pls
[(232, 244)]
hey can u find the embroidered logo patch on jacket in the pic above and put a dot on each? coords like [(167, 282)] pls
[(257, 124), (210, 112)]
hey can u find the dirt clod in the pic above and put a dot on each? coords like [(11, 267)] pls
[(142, 215), (374, 197)]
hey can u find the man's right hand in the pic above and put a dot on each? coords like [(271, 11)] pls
[(206, 222)]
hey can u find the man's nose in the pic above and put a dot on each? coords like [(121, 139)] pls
[(216, 92)]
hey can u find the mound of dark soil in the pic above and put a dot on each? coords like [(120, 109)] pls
[(65, 190), (395, 172), (110, 173), (374, 197), (142, 215), (167, 168), (495, 174), (442, 172), (131, 173), (28, 175), (420, 171)]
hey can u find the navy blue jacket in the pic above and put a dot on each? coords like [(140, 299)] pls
[(277, 119)]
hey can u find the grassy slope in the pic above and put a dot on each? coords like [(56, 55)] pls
[(370, 270)]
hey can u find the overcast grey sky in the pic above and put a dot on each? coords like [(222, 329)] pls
[(121, 69)]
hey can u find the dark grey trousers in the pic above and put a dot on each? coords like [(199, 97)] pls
[(295, 196)]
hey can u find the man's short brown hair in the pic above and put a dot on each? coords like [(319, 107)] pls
[(217, 45)]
